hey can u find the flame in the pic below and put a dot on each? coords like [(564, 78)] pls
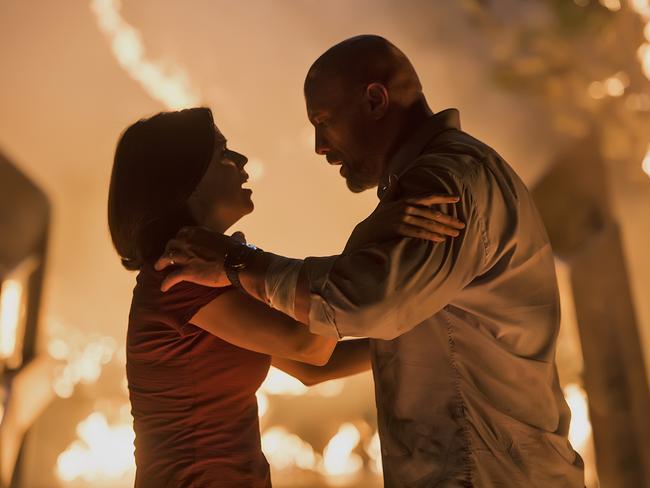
[(614, 86), (613, 5), (10, 311), (280, 383), (172, 89), (338, 458), (646, 162), (641, 7), (262, 403), (102, 454), (580, 429), (84, 358), (284, 450), (373, 449)]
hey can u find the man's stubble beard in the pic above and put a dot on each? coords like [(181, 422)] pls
[(356, 186)]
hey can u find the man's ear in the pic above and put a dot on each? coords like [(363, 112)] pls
[(377, 99)]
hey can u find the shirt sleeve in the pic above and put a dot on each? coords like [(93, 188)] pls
[(383, 290)]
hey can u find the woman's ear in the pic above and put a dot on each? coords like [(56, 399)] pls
[(377, 100)]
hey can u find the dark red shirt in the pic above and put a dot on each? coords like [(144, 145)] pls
[(192, 394)]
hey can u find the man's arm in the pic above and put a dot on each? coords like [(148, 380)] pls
[(385, 289), (375, 266)]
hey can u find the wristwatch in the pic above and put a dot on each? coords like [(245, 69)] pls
[(236, 260)]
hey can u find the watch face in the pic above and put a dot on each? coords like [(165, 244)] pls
[(237, 259)]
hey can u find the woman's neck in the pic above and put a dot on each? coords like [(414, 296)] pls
[(215, 224)]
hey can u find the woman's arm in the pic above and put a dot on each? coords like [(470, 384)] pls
[(349, 357), (248, 323)]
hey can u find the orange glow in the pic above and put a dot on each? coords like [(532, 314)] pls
[(339, 462), (102, 454), (170, 87), (646, 162), (10, 311)]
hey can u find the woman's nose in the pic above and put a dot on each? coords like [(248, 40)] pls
[(240, 160)]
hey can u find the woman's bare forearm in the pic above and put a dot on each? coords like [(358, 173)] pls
[(349, 358), (245, 322)]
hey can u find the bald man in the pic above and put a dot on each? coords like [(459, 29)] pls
[(463, 331)]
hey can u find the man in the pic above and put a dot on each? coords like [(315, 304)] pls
[(462, 331)]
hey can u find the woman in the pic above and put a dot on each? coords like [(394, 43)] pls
[(192, 377)]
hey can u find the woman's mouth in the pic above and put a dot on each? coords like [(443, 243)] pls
[(244, 189)]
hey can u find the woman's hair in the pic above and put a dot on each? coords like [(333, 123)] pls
[(158, 163)]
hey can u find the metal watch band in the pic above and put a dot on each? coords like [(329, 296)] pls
[(237, 259)]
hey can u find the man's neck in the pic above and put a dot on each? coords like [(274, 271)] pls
[(410, 121)]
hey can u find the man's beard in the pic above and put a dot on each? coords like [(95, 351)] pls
[(358, 185)]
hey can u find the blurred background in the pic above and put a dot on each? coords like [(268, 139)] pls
[(561, 88)]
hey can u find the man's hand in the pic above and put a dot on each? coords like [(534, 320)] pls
[(199, 254)]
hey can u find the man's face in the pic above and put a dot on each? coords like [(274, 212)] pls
[(344, 133)]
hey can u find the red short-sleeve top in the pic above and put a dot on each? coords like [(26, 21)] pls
[(192, 394)]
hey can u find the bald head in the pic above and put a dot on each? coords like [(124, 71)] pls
[(363, 97), (362, 60)]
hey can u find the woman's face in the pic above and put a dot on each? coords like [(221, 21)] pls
[(219, 199)]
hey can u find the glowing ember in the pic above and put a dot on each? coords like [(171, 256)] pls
[(580, 429), (103, 453), (10, 311), (284, 450), (597, 90), (338, 458), (171, 89)]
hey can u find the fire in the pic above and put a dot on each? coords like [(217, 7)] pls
[(172, 89), (646, 162), (284, 450), (580, 429), (83, 357), (278, 382), (10, 310), (262, 403), (339, 462), (613, 5), (102, 454), (373, 449)]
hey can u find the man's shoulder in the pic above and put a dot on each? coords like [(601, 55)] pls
[(454, 154)]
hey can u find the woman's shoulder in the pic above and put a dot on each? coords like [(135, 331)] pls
[(175, 306)]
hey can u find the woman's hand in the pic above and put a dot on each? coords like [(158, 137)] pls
[(409, 217)]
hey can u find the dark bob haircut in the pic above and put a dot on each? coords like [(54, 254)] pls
[(158, 163)]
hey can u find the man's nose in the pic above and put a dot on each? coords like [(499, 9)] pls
[(321, 146)]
